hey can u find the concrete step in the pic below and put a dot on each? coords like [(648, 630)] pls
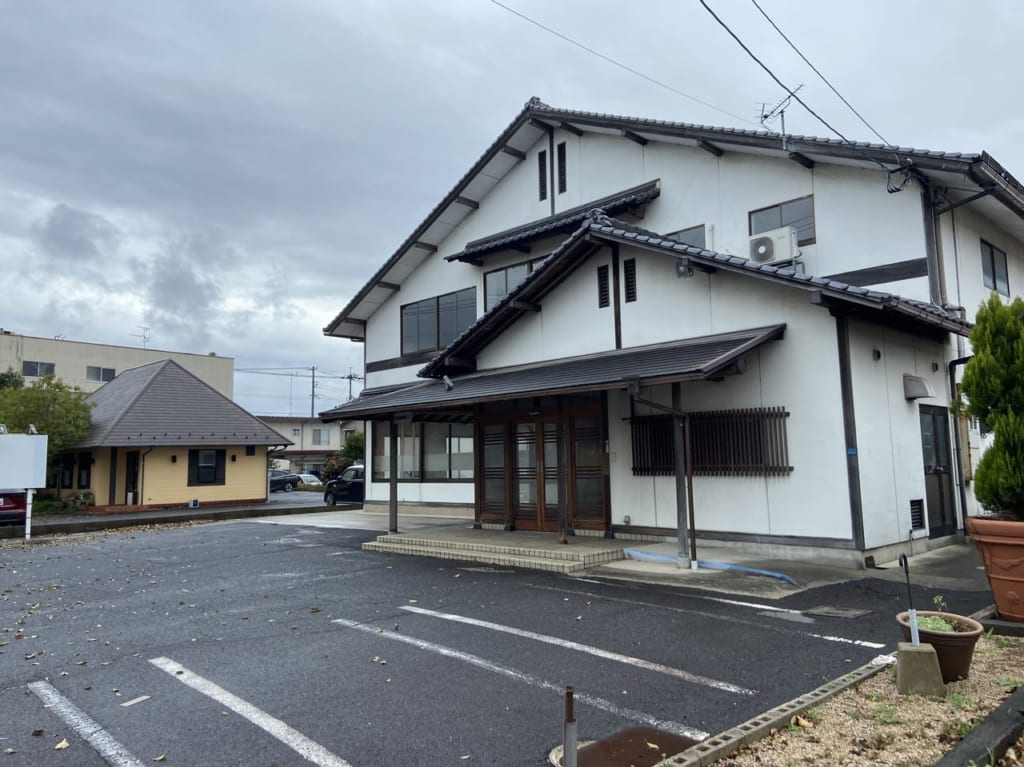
[(587, 555), (507, 559)]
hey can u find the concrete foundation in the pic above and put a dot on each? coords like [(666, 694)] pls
[(917, 671)]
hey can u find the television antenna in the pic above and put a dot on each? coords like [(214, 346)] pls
[(145, 336), (778, 112)]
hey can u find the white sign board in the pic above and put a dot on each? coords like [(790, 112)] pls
[(22, 461)]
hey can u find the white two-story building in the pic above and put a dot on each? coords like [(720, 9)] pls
[(622, 326)]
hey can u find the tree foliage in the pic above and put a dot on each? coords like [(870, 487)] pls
[(333, 466), (994, 387), (354, 447), (54, 408), (11, 379)]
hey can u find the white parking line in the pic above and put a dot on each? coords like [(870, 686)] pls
[(295, 740), (715, 616), (112, 752), (599, 703), (686, 676)]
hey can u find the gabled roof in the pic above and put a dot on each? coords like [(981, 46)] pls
[(598, 230), (695, 359), (163, 404), (566, 222), (964, 175)]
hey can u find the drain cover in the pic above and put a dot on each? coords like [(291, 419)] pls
[(827, 611), (637, 746)]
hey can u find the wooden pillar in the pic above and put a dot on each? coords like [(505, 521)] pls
[(393, 476), (679, 443)]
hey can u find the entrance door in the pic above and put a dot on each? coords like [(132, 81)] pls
[(938, 476), (535, 475), (131, 477)]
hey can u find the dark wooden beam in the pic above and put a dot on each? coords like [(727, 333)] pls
[(514, 152), (425, 246), (707, 146), (635, 137), (527, 306), (569, 127), (540, 124), (467, 202), (389, 285), (463, 363), (801, 159)]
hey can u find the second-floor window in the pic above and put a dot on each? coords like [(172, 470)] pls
[(435, 322), (296, 432), (31, 369), (96, 373), (694, 236), (501, 282), (993, 268), (321, 437), (798, 214)]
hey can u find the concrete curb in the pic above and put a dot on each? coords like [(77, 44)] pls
[(57, 526), (719, 746)]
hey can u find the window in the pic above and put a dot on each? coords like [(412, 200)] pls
[(501, 282), (250, 450), (31, 369), (694, 236), (796, 213), (602, 287), (726, 443), (84, 470), (95, 373), (67, 471), (321, 437), (431, 452), (296, 432), (993, 268), (346, 434), (436, 322), (542, 175), (560, 156), (206, 467), (629, 277)]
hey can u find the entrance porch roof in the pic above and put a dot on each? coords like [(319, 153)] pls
[(694, 359)]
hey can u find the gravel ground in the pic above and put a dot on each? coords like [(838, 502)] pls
[(872, 724)]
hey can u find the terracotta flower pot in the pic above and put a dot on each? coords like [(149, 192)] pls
[(1001, 548), (955, 649)]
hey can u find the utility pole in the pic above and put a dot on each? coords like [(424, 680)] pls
[(312, 393)]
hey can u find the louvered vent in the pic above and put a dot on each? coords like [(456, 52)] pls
[(561, 167), (629, 273), (602, 286), (917, 514), (542, 174)]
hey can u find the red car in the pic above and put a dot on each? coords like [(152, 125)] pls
[(12, 507)]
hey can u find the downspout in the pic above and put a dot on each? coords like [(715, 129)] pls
[(932, 244), (142, 475), (957, 445)]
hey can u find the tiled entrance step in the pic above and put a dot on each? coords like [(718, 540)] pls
[(553, 557)]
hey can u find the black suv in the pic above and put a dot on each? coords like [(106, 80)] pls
[(348, 488)]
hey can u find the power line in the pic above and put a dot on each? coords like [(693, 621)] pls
[(619, 64), (819, 74)]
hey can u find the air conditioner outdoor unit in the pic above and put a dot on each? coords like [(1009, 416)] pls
[(774, 245)]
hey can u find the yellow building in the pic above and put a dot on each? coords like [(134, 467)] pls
[(162, 437)]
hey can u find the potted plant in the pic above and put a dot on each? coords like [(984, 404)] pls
[(953, 637), (993, 385)]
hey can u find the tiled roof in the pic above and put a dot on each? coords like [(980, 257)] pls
[(693, 359), (566, 221), (163, 404)]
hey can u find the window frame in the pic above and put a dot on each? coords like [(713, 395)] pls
[(83, 475), (468, 300), (102, 374), (991, 258), (780, 205), (412, 434), (51, 371), (531, 266), (542, 175), (676, 235), (204, 474), (321, 437)]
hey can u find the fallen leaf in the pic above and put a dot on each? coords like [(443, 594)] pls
[(314, 609), (37, 733), (10, 751), (652, 746), (800, 721), (62, 745), (579, 617), (464, 756), (161, 758), (412, 602)]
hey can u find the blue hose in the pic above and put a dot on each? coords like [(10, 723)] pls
[(656, 556)]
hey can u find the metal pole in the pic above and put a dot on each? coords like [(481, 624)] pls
[(393, 472), (28, 514), (679, 443), (312, 393), (689, 492), (915, 636), (569, 746)]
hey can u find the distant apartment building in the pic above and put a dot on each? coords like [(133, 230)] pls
[(89, 366), (313, 441)]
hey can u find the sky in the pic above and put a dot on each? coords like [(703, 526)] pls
[(224, 175)]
